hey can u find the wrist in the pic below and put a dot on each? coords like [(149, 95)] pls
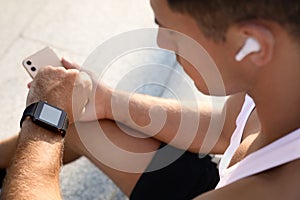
[(103, 102), (108, 108), (31, 131), (37, 145), (47, 116)]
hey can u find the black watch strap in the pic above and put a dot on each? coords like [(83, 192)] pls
[(28, 112)]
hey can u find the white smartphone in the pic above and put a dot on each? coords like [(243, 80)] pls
[(41, 59)]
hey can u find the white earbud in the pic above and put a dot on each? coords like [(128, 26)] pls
[(251, 46)]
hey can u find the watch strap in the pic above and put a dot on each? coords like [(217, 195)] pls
[(65, 127), (28, 112)]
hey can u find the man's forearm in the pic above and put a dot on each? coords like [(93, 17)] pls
[(34, 170), (163, 119)]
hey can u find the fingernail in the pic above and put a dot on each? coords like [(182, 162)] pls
[(66, 61)]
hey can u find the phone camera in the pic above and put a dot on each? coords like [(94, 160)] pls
[(33, 69), (28, 62)]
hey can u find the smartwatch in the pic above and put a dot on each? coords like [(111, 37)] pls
[(47, 116)]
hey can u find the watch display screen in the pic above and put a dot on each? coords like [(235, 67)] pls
[(50, 114)]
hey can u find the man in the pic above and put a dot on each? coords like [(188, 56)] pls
[(255, 45)]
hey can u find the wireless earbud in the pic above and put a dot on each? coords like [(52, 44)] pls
[(251, 46)]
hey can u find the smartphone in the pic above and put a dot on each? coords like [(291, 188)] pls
[(41, 59)]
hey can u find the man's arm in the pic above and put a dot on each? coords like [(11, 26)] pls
[(34, 170), (165, 119), (115, 105), (35, 167)]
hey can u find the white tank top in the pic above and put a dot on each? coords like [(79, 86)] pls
[(281, 151)]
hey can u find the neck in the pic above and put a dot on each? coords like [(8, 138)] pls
[(277, 97)]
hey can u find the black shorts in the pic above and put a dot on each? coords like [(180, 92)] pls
[(187, 177), (2, 175)]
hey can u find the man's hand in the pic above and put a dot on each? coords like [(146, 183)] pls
[(38, 154), (62, 88), (99, 99)]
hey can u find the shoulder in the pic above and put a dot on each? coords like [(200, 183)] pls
[(278, 183)]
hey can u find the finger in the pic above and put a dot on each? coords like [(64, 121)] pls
[(68, 65), (29, 85)]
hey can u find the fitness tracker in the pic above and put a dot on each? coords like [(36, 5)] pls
[(47, 116)]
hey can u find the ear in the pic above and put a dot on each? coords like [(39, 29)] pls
[(264, 38)]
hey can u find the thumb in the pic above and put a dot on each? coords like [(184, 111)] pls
[(68, 65)]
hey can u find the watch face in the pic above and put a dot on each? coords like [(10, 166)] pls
[(50, 114)]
